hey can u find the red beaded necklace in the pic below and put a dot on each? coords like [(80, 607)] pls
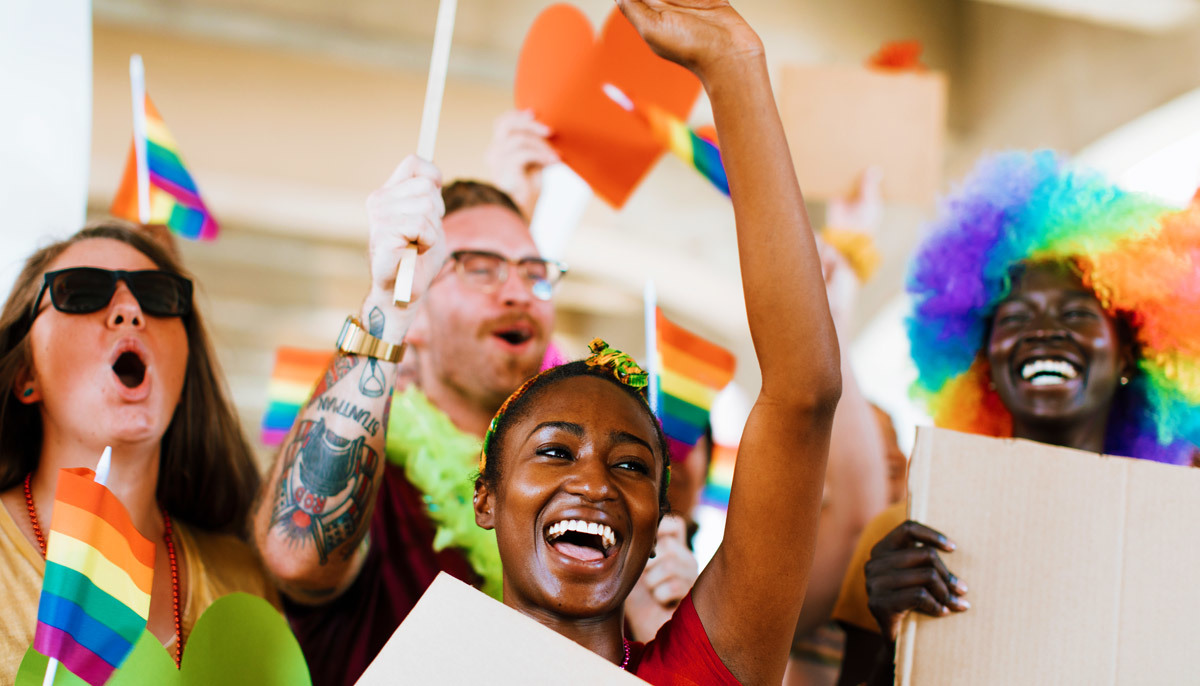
[(167, 538)]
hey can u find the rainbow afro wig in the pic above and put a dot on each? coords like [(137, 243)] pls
[(1140, 257)]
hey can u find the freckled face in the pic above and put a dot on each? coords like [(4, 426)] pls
[(576, 510), (1056, 355), (113, 376)]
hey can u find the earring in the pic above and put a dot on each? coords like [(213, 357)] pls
[(1124, 380), (28, 392)]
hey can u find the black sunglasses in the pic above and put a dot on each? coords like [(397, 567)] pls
[(80, 290)]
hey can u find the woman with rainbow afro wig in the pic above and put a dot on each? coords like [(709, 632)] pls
[(1050, 305), (1139, 258)]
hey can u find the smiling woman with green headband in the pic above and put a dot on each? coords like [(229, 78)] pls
[(574, 472)]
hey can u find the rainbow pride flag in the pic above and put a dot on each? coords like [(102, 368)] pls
[(698, 150), (174, 198), (99, 572), (720, 477), (691, 372), (293, 378), (690, 146)]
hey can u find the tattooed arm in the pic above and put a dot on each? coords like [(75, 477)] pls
[(314, 510)]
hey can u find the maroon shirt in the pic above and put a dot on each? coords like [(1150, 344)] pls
[(341, 638)]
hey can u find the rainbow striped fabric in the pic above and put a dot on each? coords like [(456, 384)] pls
[(720, 477), (690, 146), (99, 572), (296, 373), (691, 372), (174, 199)]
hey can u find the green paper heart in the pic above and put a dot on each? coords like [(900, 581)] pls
[(240, 640)]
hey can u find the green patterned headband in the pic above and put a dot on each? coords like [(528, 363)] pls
[(623, 367)]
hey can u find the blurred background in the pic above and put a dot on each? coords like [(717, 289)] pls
[(289, 112)]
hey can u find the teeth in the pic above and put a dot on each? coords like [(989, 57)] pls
[(604, 531), (1047, 380), (1054, 370)]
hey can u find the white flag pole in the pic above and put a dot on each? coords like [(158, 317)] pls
[(103, 466), (434, 88), (101, 476), (650, 299), (137, 84)]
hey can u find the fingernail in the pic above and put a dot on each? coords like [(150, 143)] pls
[(943, 610), (946, 542), (959, 587), (963, 604)]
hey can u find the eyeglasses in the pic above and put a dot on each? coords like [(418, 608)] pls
[(487, 271), (80, 290)]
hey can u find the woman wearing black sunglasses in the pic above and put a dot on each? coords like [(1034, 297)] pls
[(100, 346)]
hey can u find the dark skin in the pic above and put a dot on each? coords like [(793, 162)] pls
[(748, 610), (586, 454), (1050, 315)]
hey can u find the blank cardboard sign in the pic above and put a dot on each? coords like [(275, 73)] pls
[(841, 119), (1080, 568), (457, 635)]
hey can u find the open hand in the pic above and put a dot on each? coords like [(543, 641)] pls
[(906, 573), (694, 33), (862, 210), (517, 155), (406, 210)]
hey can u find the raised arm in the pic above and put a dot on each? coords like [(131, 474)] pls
[(749, 596), (314, 508)]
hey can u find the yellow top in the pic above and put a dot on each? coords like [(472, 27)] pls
[(217, 565), (851, 607)]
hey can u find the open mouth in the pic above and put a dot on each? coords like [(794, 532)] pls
[(514, 335), (1048, 371), (130, 369), (586, 541)]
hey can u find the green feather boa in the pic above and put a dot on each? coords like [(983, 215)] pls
[(439, 460)]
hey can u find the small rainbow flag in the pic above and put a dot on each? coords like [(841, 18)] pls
[(174, 199), (99, 572), (691, 372), (697, 150), (296, 373), (720, 477)]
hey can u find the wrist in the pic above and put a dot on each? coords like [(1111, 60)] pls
[(384, 319), (733, 69)]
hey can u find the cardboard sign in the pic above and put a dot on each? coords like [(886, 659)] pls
[(560, 74), (842, 119), (1080, 568), (457, 635)]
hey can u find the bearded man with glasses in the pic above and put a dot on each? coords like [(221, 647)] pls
[(473, 335)]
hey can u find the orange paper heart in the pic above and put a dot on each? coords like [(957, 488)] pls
[(560, 73)]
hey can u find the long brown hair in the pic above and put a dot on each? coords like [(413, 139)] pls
[(207, 476)]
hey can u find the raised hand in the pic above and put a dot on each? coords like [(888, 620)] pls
[(863, 209), (694, 33), (906, 573), (407, 209), (517, 155)]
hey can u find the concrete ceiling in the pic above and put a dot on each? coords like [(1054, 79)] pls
[(1137, 15)]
